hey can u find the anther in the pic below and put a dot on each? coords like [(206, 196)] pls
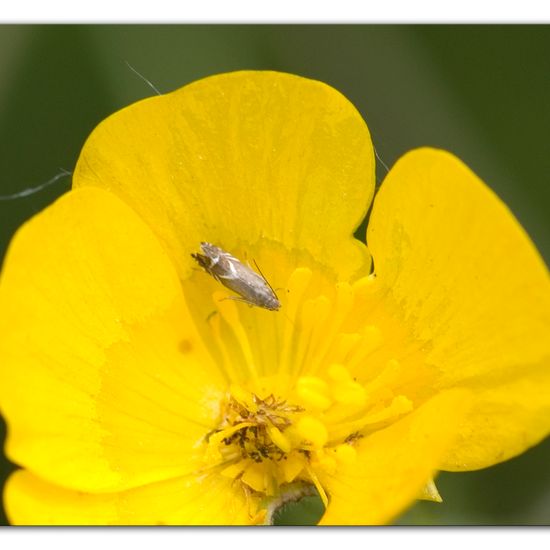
[(345, 454), (312, 430), (338, 373), (279, 439), (314, 392), (349, 392)]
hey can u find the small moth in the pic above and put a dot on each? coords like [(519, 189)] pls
[(251, 287)]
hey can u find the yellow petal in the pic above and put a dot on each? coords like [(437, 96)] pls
[(394, 464), (430, 492), (239, 159), (209, 500), (473, 289), (103, 380)]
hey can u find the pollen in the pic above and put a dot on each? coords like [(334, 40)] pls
[(298, 403)]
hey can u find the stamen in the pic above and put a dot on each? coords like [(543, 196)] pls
[(297, 285), (324, 460), (343, 346), (338, 373), (215, 447), (389, 375), (215, 322), (230, 314), (254, 476), (313, 383), (318, 485), (323, 340), (370, 340), (312, 395), (244, 397), (314, 313), (400, 405), (312, 430), (279, 439), (292, 466), (259, 517), (349, 392), (364, 286), (345, 454), (234, 471), (303, 391)]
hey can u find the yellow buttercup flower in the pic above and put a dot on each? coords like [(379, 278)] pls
[(137, 392)]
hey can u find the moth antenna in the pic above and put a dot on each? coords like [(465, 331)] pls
[(263, 277)]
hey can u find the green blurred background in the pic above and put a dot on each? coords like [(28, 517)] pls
[(481, 92)]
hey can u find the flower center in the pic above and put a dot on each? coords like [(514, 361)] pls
[(306, 384)]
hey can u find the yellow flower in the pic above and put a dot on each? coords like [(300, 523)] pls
[(136, 393)]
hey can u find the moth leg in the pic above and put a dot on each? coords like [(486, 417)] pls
[(238, 299)]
